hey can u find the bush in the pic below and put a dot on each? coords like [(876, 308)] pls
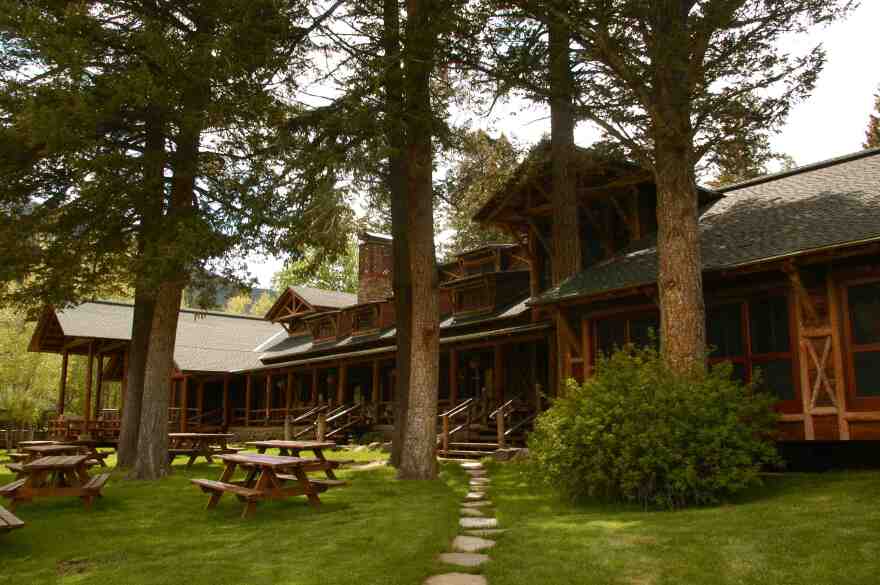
[(638, 432)]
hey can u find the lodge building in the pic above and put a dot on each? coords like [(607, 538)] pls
[(791, 281)]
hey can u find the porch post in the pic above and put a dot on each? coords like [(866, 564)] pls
[(184, 392), (268, 396), (99, 384), (247, 400), (225, 400), (62, 385), (375, 389), (453, 376), (498, 376), (87, 407), (315, 386), (340, 388), (200, 398), (124, 385), (288, 393)]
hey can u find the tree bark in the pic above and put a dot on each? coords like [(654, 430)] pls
[(418, 459), (566, 230), (152, 452), (397, 188), (680, 278), (144, 302)]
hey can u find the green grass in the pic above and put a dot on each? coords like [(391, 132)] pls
[(798, 529), (377, 531)]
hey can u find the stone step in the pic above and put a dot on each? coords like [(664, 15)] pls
[(456, 579), (493, 532), (463, 559), (471, 544), (474, 496), (478, 523), (477, 504), (472, 512)]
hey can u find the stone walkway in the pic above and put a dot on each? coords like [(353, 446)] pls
[(468, 549)]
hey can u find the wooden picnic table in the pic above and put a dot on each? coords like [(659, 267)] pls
[(196, 445), (294, 448), (265, 480), (22, 444), (55, 475), (91, 446)]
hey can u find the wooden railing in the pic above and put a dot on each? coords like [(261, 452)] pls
[(505, 426), (450, 426), (343, 418), (315, 420)]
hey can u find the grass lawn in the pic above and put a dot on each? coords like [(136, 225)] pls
[(800, 529), (376, 531)]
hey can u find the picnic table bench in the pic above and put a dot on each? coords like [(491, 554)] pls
[(265, 480), (194, 445), (53, 476), (295, 448), (9, 521)]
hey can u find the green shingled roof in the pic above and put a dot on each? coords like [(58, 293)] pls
[(829, 204)]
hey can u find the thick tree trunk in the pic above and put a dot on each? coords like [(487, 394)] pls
[(144, 301), (396, 179), (566, 230), (680, 278), (418, 459), (152, 459)]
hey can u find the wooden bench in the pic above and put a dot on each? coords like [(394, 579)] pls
[(322, 484), (219, 487), (98, 457), (92, 489), (15, 468), (19, 456), (9, 521), (10, 488)]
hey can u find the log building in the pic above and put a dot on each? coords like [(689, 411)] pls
[(792, 288)]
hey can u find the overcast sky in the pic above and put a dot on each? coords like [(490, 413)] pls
[(830, 123)]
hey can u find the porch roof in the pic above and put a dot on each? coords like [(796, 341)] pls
[(830, 204)]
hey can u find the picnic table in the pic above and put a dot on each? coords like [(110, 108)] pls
[(55, 475), (265, 479), (91, 446), (33, 452), (195, 445), (294, 448), (22, 444)]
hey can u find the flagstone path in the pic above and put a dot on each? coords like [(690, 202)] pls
[(469, 549)]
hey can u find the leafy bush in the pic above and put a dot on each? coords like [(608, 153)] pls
[(637, 432)]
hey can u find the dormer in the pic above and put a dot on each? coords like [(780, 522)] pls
[(323, 326), (299, 302), (486, 292)]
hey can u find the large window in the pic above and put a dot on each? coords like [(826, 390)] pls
[(753, 336), (863, 304), (615, 332)]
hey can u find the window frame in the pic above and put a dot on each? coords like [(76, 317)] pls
[(855, 401)]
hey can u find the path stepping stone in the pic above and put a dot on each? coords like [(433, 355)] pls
[(456, 579), (471, 512), (471, 544), (476, 472), (477, 504), (472, 465), (475, 523), (464, 559), (480, 481), (474, 496), (486, 532)]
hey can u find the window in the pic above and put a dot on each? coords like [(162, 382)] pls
[(616, 332), (325, 329), (479, 266), (764, 346), (863, 302), (364, 320), (472, 299)]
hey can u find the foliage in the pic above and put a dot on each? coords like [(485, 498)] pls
[(480, 168), (638, 432), (317, 270), (28, 381), (766, 536), (245, 304), (872, 134)]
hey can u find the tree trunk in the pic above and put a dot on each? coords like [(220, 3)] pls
[(680, 278), (152, 453), (154, 161), (566, 231), (396, 182), (418, 459), (144, 302)]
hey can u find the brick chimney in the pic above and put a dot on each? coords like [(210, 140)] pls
[(374, 267)]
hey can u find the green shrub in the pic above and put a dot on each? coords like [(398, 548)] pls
[(637, 432)]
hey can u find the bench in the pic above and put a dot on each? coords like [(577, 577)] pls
[(97, 457), (10, 488), (19, 456), (9, 521), (323, 484), (16, 468), (210, 485), (96, 483)]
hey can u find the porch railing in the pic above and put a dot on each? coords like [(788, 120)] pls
[(506, 425), (451, 423)]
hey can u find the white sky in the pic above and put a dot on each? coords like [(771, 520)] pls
[(830, 123)]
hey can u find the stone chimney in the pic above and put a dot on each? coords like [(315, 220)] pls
[(375, 263)]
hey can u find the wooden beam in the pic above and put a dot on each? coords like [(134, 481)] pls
[(453, 376), (87, 406), (567, 332), (99, 385), (111, 347), (499, 374), (247, 400), (314, 385), (62, 384), (809, 431), (288, 392), (226, 402), (123, 387), (374, 391), (184, 403), (537, 232), (76, 343), (268, 395), (340, 390), (836, 333), (810, 315)]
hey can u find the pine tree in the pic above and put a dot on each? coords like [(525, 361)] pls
[(872, 134), (320, 271)]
